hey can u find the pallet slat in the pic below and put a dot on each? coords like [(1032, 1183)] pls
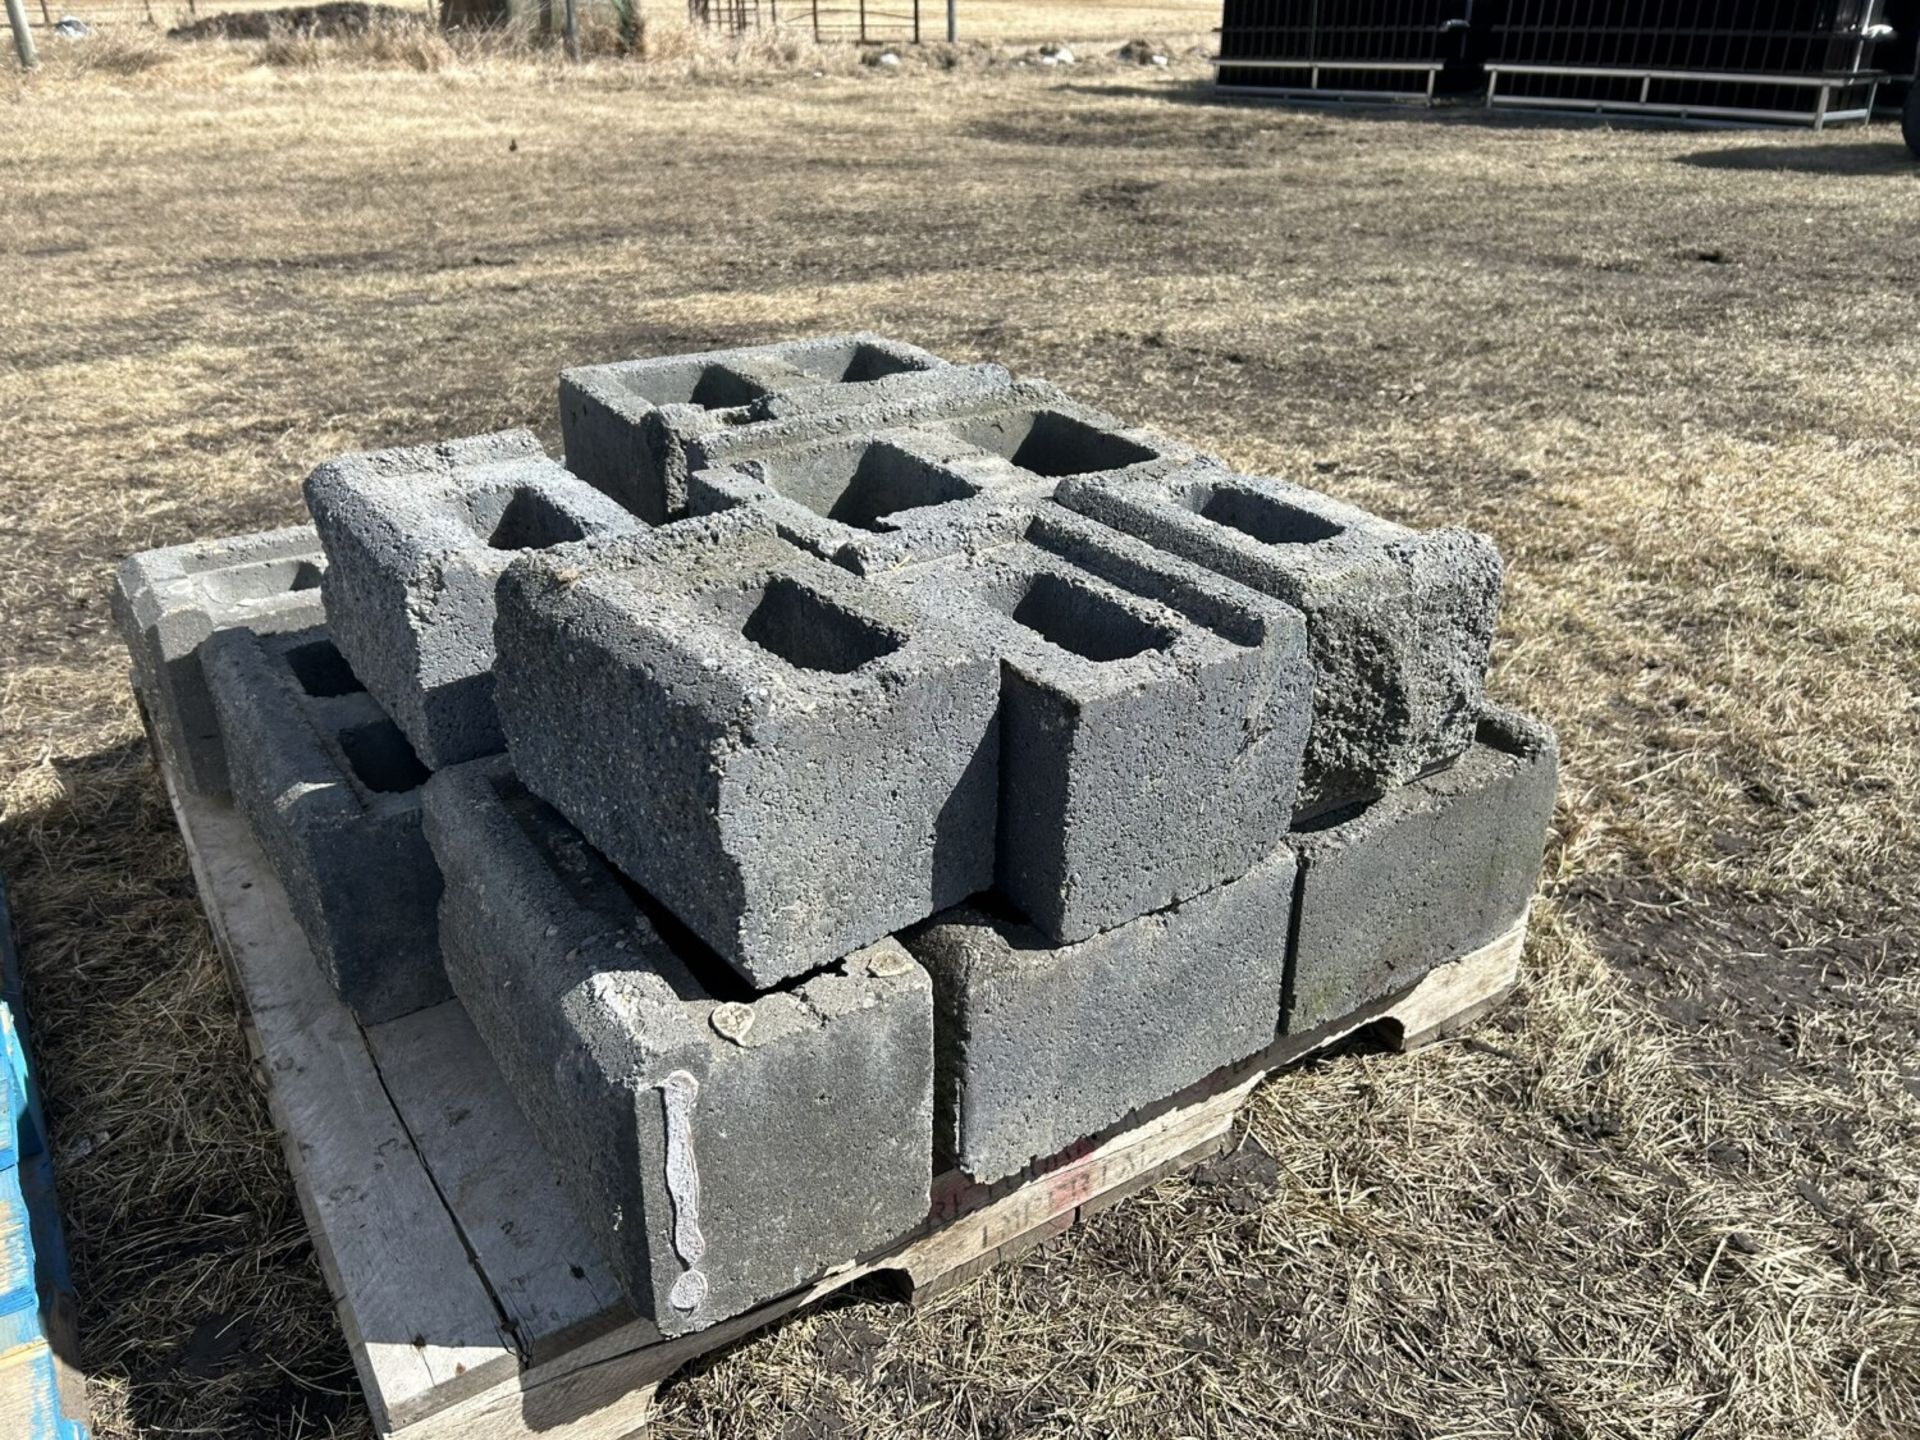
[(418, 1316), (541, 1265)]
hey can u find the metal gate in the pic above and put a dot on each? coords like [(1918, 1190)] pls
[(1804, 60), (861, 22), (1343, 48)]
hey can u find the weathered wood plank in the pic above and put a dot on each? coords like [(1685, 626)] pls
[(498, 1182), (418, 1318), (1456, 995)]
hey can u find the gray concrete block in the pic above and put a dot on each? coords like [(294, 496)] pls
[(878, 499), (167, 602), (725, 1147), (627, 426), (332, 791), (416, 540), (1399, 622), (792, 760), (1423, 875), (1152, 718), (1037, 1046)]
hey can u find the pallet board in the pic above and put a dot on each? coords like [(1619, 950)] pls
[(473, 1301)]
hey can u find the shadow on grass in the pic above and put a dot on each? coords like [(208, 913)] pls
[(202, 1308), (1864, 157), (1867, 157)]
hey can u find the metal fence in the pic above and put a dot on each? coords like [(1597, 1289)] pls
[(861, 22), (1333, 48), (1804, 60), (1810, 61)]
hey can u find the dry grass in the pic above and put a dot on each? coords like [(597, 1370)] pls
[(1084, 23), (1671, 1192)]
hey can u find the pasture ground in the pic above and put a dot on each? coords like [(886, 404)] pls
[(1672, 1190)]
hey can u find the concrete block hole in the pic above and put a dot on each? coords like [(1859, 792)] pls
[(811, 633), (1262, 517), (710, 386), (258, 582), (1085, 623), (322, 671), (855, 364), (382, 759), (1047, 443), (522, 519), (880, 480)]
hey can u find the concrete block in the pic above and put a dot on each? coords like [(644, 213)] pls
[(1152, 718), (332, 791), (880, 498), (1037, 1046), (1424, 874), (416, 539), (1399, 622), (627, 426), (167, 602), (792, 760), (725, 1147)]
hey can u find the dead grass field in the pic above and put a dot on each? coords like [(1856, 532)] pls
[(994, 21), (1672, 1191)]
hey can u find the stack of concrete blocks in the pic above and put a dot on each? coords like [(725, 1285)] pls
[(906, 768)]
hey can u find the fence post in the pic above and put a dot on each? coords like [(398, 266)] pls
[(863, 22), (953, 21), (916, 22), (816, 22), (22, 34), (573, 31)]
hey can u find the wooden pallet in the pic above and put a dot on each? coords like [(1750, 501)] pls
[(472, 1299)]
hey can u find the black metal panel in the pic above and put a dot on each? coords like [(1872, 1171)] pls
[(1766, 37), (1766, 40), (1896, 56), (1347, 34)]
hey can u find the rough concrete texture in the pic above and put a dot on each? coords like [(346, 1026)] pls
[(1422, 875), (1037, 1046), (724, 1146), (876, 500), (332, 791), (1152, 718), (792, 760), (1399, 622), (416, 540), (167, 602), (627, 426)]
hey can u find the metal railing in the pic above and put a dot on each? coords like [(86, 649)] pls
[(863, 22), (1806, 61), (1336, 49)]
